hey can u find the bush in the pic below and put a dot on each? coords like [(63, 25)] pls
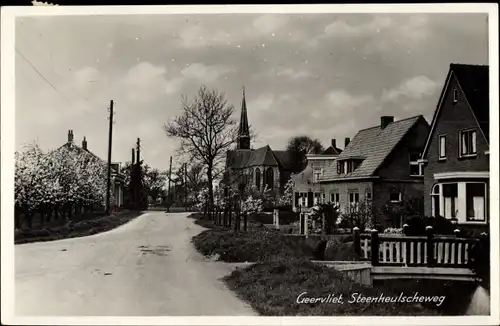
[(340, 250), (251, 246), (441, 225)]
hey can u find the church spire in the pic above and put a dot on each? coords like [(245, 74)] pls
[(244, 131)]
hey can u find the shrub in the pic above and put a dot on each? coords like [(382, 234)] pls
[(252, 246), (441, 225), (340, 250)]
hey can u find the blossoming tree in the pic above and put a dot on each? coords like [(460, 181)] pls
[(60, 181)]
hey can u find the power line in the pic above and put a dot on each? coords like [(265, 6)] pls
[(41, 75)]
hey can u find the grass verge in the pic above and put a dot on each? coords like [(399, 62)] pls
[(74, 229), (272, 289)]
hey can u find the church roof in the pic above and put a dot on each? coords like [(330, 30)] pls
[(244, 129), (263, 156)]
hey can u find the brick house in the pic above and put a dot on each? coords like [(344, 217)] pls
[(306, 183), (456, 153), (261, 167), (379, 166), (117, 178)]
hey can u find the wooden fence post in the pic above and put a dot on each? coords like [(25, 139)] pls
[(323, 223), (430, 246), (406, 228), (245, 221), (301, 224), (374, 247), (357, 241)]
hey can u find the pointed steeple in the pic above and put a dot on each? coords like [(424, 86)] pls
[(244, 131)]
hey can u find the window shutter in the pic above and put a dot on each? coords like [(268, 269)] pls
[(297, 199), (338, 167), (310, 199)]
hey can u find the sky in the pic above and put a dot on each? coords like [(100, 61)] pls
[(321, 75)]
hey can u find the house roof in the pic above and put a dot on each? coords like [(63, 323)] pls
[(74, 147), (474, 82), (332, 151), (263, 156), (372, 146)]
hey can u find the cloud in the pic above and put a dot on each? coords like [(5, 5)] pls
[(204, 73), (294, 74), (145, 81), (342, 28), (267, 24), (414, 88), (343, 102)]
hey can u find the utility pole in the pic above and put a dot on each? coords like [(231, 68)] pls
[(139, 195), (169, 178), (108, 193), (185, 187)]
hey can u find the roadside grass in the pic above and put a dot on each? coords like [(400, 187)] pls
[(74, 229), (257, 244), (271, 287)]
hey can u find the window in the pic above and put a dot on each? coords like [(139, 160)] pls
[(354, 201), (475, 201), (323, 198), (303, 199), (257, 178), (317, 197), (335, 199), (416, 169), (455, 95), (468, 143), (348, 166), (442, 147), (340, 167), (369, 196), (395, 197), (317, 175), (450, 195), (435, 198)]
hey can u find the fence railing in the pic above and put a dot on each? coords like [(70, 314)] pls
[(430, 250)]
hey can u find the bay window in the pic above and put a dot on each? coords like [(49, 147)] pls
[(475, 201), (450, 194), (464, 202)]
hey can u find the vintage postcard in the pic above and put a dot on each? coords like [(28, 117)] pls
[(250, 165)]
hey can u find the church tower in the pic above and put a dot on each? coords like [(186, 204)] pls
[(244, 131)]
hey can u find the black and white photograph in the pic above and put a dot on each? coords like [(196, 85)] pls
[(224, 164)]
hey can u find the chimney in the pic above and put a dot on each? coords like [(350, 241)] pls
[(334, 143), (70, 136), (385, 120), (347, 141), (84, 143)]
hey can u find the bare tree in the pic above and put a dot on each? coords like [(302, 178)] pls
[(205, 129)]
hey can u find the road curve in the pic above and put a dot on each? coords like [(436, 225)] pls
[(147, 267)]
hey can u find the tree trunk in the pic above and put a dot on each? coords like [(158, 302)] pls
[(29, 216), (210, 186), (17, 218)]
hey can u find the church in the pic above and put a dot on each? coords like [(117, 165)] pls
[(262, 167)]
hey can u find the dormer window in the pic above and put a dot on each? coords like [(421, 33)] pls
[(347, 166)]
